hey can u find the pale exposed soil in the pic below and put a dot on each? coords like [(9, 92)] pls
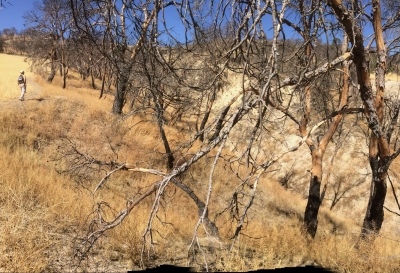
[(300, 162)]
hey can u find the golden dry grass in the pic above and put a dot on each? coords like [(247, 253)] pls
[(41, 211), (10, 69)]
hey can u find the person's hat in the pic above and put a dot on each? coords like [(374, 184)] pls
[(22, 72)]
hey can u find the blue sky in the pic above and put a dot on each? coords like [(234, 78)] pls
[(11, 15)]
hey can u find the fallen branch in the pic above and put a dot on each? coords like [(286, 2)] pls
[(92, 237)]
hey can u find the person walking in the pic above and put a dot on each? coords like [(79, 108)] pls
[(22, 84)]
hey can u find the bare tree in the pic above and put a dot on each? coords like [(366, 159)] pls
[(380, 156), (314, 96), (51, 22)]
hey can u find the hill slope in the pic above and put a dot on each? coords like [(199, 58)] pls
[(47, 203)]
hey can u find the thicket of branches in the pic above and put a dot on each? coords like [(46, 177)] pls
[(312, 82)]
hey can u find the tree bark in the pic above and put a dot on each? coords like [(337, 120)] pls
[(92, 75), (52, 66), (122, 84), (207, 114), (50, 78), (157, 99), (170, 157), (374, 215), (64, 75), (103, 81), (314, 195), (378, 156)]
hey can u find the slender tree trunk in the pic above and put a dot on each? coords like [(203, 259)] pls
[(103, 81), (170, 157), (220, 122), (160, 122), (122, 84), (378, 155), (53, 66), (314, 196), (375, 215), (93, 83), (207, 114), (119, 99), (52, 74), (64, 77), (157, 99), (64, 63)]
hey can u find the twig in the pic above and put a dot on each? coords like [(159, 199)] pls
[(394, 192), (391, 211), (244, 214), (107, 176)]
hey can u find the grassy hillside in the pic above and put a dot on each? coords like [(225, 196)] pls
[(45, 211)]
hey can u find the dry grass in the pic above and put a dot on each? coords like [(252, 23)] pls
[(42, 212), (10, 69)]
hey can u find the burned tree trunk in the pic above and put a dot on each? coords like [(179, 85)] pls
[(122, 84), (379, 153), (207, 114), (160, 122), (53, 65), (374, 216), (64, 75), (315, 196), (168, 152), (103, 81), (93, 79)]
